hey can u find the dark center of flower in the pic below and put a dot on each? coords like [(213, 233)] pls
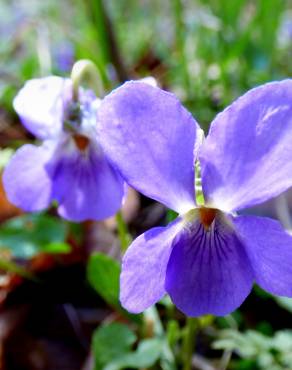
[(73, 113), (207, 216), (81, 141)]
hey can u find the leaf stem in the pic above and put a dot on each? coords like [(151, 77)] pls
[(188, 342), (124, 235)]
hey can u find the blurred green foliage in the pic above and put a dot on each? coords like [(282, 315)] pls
[(206, 52), (27, 235), (112, 348), (263, 352), (103, 274)]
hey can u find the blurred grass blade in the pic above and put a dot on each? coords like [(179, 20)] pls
[(105, 35), (10, 266)]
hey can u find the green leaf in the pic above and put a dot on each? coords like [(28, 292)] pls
[(103, 274), (5, 155), (284, 302), (283, 341), (57, 247), (28, 235), (112, 349), (151, 316), (148, 352), (110, 342)]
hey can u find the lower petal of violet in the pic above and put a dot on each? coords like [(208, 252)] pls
[(208, 271), (144, 267), (86, 186), (26, 181), (269, 248)]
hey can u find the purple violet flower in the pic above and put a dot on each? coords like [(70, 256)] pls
[(208, 258), (69, 166)]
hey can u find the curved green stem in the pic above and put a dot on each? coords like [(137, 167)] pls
[(85, 70)]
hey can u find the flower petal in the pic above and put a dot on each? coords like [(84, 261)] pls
[(208, 271), (26, 181), (269, 248), (247, 157), (151, 138), (40, 105), (86, 186), (144, 267)]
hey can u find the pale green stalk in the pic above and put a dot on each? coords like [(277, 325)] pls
[(123, 233), (86, 70), (189, 342)]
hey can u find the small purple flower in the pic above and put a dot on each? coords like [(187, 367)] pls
[(69, 166), (208, 258), (64, 55)]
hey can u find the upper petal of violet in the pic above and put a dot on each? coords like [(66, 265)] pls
[(40, 104), (247, 157), (152, 139)]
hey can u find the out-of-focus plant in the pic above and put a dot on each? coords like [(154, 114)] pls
[(264, 352), (208, 53), (28, 235), (112, 349)]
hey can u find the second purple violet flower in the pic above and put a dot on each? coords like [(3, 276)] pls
[(69, 166)]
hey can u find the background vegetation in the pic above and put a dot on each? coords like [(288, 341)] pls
[(59, 281)]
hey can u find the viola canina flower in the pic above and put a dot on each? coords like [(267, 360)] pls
[(208, 258), (69, 166)]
